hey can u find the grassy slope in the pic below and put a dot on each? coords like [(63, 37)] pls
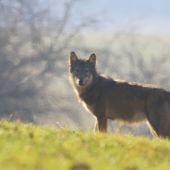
[(34, 147)]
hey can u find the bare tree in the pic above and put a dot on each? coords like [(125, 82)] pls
[(33, 44)]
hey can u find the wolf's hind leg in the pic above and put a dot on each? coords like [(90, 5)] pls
[(102, 124)]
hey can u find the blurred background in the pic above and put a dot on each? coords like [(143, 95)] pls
[(130, 38)]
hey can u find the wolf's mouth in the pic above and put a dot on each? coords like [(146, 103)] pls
[(80, 82)]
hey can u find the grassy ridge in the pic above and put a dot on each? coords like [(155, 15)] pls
[(29, 147)]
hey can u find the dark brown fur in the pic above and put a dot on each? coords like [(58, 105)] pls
[(116, 100)]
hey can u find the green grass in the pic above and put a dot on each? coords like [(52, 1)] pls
[(28, 147)]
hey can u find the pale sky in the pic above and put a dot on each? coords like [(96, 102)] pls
[(150, 16)]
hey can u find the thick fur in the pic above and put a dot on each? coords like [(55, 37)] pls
[(117, 100)]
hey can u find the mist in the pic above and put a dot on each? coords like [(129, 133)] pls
[(34, 49)]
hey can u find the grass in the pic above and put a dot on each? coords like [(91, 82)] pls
[(28, 147)]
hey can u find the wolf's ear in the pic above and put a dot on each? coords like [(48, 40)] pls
[(73, 57), (92, 59)]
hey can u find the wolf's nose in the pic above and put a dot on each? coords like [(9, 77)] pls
[(80, 82)]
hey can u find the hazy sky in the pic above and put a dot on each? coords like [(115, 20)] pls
[(131, 8), (150, 16), (144, 15)]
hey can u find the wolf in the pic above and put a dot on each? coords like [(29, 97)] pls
[(107, 98)]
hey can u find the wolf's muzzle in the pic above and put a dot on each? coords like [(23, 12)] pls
[(80, 82)]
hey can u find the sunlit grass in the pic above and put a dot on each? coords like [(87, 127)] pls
[(29, 147)]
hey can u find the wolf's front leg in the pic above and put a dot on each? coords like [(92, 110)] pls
[(102, 124)]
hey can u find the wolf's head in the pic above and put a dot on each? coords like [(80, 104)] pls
[(83, 72)]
